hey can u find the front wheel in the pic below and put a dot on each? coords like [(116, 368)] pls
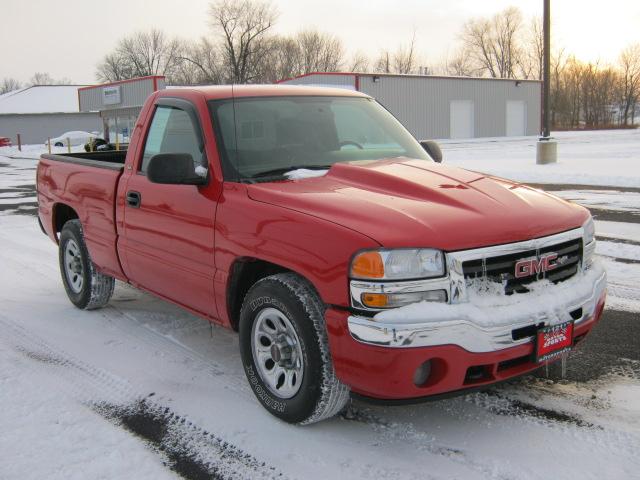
[(87, 288), (284, 349)]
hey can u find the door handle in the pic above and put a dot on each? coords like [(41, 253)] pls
[(134, 199)]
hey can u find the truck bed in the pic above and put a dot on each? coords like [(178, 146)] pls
[(111, 160), (83, 185)]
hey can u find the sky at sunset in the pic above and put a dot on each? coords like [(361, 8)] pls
[(68, 38)]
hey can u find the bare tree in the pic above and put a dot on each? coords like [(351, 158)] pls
[(242, 26), (283, 60), (319, 52), (359, 62), (493, 43), (629, 63), (404, 59), (306, 52), (532, 55), (8, 85), (200, 63), (384, 62), (139, 55), (113, 67), (460, 64), (42, 78)]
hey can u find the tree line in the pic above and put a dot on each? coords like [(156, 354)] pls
[(241, 47), (9, 84)]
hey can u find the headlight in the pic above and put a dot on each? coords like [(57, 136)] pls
[(400, 264), (589, 231)]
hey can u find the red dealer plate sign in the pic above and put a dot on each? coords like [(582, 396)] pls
[(553, 341)]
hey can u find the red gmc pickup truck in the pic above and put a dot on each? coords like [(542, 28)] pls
[(350, 260)]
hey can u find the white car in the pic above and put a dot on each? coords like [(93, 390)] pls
[(76, 137)]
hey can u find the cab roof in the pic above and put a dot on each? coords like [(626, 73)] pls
[(228, 91)]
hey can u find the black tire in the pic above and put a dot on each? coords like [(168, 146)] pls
[(321, 395), (58, 144), (87, 288)]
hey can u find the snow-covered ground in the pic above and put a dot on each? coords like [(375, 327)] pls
[(607, 157), (72, 383), (142, 389), (34, 151)]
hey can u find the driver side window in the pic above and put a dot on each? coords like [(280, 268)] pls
[(171, 131)]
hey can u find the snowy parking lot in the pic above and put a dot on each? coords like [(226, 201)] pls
[(142, 389)]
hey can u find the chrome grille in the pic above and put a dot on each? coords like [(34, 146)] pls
[(501, 269)]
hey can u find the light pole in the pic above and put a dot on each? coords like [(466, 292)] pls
[(547, 148)]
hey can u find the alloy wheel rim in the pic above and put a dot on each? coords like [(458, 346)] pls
[(277, 353), (73, 266)]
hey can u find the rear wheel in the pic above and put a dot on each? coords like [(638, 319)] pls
[(86, 287), (284, 348)]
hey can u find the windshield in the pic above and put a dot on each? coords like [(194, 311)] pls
[(266, 137)]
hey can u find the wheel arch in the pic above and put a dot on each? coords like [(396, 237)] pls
[(62, 213), (243, 274)]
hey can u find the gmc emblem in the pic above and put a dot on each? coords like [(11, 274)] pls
[(545, 263)]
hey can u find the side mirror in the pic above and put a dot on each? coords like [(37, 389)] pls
[(174, 169), (433, 149)]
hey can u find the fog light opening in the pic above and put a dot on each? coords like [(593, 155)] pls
[(422, 374)]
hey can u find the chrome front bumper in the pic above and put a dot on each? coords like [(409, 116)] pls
[(460, 326)]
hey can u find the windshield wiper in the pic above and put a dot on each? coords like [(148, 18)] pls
[(282, 170)]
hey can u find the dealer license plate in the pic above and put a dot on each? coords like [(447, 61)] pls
[(554, 341)]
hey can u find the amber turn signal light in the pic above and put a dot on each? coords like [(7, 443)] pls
[(375, 300), (367, 265)]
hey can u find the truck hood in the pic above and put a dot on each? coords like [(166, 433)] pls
[(416, 203)]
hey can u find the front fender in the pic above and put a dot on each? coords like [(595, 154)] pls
[(316, 249)]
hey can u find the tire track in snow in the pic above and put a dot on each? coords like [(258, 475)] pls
[(495, 404), (424, 441), (186, 448), (131, 326)]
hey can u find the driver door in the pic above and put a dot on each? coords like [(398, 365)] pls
[(169, 229)]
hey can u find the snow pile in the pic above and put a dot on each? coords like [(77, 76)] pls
[(302, 173), (607, 157), (488, 306)]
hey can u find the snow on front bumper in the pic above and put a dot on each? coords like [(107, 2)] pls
[(486, 322)]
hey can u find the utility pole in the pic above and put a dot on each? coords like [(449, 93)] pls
[(546, 75), (547, 148)]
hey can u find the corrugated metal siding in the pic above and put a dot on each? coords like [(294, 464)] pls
[(132, 94), (423, 104), (36, 128), (324, 80)]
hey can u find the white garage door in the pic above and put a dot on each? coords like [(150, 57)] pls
[(516, 118), (461, 119)]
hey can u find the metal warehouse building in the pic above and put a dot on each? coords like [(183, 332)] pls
[(43, 111), (119, 103), (446, 107)]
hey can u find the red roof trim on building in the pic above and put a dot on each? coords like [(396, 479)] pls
[(315, 73), (129, 80), (403, 75)]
